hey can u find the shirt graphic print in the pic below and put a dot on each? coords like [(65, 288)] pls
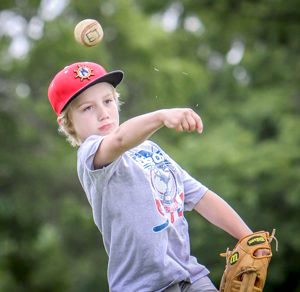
[(167, 193)]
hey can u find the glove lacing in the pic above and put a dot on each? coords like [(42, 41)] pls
[(272, 236)]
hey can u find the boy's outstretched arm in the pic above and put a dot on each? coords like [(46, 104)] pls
[(136, 130), (218, 212)]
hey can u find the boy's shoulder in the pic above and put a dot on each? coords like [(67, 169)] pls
[(89, 145)]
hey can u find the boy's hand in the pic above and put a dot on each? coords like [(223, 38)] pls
[(182, 119), (262, 252)]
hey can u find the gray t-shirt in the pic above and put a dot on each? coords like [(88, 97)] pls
[(138, 202)]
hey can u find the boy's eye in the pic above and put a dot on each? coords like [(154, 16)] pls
[(87, 108), (108, 100)]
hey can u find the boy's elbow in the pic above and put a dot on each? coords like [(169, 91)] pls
[(118, 143)]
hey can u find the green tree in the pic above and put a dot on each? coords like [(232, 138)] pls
[(234, 62)]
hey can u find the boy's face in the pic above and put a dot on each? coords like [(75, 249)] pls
[(95, 111)]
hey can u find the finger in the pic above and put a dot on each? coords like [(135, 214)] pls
[(266, 252), (262, 252), (179, 128), (199, 124), (257, 253), (185, 125), (191, 122)]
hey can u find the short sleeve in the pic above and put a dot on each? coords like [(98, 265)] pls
[(89, 177), (193, 189), (86, 154), (87, 151)]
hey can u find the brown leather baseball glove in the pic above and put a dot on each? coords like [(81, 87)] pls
[(245, 272)]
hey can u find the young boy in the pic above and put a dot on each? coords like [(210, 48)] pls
[(138, 194)]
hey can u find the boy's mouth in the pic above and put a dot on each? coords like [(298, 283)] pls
[(105, 127)]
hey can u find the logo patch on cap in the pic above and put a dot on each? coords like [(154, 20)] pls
[(83, 72)]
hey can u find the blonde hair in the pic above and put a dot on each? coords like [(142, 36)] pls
[(66, 126)]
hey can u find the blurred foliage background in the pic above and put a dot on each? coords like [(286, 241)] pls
[(234, 62)]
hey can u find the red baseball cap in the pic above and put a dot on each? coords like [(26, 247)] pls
[(74, 79)]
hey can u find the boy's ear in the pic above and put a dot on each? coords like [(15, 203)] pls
[(59, 121)]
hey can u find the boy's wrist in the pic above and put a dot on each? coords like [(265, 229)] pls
[(160, 115)]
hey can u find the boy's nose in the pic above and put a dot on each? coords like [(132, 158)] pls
[(102, 114)]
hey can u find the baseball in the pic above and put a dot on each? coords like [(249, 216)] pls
[(88, 32)]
